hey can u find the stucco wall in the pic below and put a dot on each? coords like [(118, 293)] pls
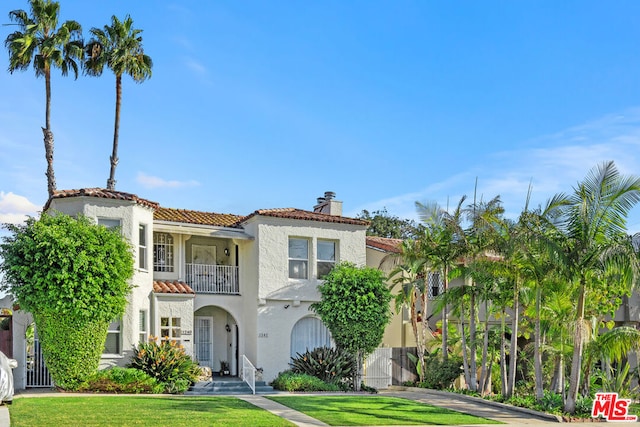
[(275, 290), (181, 306), (131, 215)]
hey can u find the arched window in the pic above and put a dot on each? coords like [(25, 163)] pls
[(309, 333)]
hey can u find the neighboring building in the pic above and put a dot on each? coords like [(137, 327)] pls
[(222, 285)]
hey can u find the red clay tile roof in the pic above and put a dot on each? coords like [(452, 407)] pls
[(196, 217), (102, 194), (169, 287), (384, 243), (293, 213)]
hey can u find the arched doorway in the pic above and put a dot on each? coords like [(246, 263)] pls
[(309, 333), (216, 339)]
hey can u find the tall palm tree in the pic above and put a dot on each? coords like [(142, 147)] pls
[(442, 240), (119, 47), (40, 40), (411, 275), (593, 220)]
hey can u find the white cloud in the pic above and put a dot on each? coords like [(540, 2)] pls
[(149, 181), (14, 209), (196, 66)]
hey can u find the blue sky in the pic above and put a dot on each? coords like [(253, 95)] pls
[(269, 104)]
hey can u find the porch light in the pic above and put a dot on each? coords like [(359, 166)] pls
[(228, 328), (226, 251)]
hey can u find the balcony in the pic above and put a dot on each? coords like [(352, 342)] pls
[(213, 279)]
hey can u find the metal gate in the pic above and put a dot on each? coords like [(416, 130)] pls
[(377, 368), (37, 373)]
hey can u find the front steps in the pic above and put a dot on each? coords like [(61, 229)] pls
[(221, 386)]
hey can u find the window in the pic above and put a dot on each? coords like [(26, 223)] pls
[(298, 258), (162, 252), (113, 343), (142, 326), (170, 328), (109, 222), (435, 285), (309, 333), (326, 257), (142, 247)]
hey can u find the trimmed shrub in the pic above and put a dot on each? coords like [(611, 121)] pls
[(73, 275), (121, 380), (167, 363), (291, 381), (328, 364), (72, 347)]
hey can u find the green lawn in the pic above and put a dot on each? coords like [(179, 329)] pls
[(374, 410), (138, 411)]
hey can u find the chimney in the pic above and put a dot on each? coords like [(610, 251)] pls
[(327, 204)]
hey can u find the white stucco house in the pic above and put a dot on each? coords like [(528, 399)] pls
[(222, 285)]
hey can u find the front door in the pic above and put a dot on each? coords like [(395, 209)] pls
[(204, 340)]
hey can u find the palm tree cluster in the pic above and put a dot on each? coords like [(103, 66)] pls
[(545, 286), (42, 41)]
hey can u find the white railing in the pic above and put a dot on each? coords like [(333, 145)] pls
[(248, 374), (213, 279)]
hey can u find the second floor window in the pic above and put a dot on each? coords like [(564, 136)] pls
[(326, 257), (298, 258), (142, 247), (162, 252)]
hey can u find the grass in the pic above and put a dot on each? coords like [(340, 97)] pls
[(375, 410), (139, 411)]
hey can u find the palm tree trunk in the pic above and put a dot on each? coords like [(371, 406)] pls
[(576, 361), (537, 354), (484, 370), (503, 355), (472, 344), (465, 358), (48, 136), (513, 352), (111, 182), (445, 316)]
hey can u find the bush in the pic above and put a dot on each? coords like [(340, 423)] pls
[(121, 380), (440, 374), (167, 363), (328, 364), (73, 276), (71, 347), (291, 381)]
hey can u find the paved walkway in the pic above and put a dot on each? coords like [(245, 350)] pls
[(470, 405)]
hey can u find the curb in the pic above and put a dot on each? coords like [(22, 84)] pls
[(479, 400)]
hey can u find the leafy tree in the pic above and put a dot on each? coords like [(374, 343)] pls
[(119, 47), (390, 226), (39, 39), (355, 308), (73, 276)]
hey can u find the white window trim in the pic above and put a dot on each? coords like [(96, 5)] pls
[(167, 249), (119, 335), (307, 259), (335, 255), (171, 329), (143, 333), (143, 263)]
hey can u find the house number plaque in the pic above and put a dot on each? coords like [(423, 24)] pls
[(263, 335)]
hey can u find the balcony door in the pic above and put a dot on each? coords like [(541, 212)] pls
[(204, 340)]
